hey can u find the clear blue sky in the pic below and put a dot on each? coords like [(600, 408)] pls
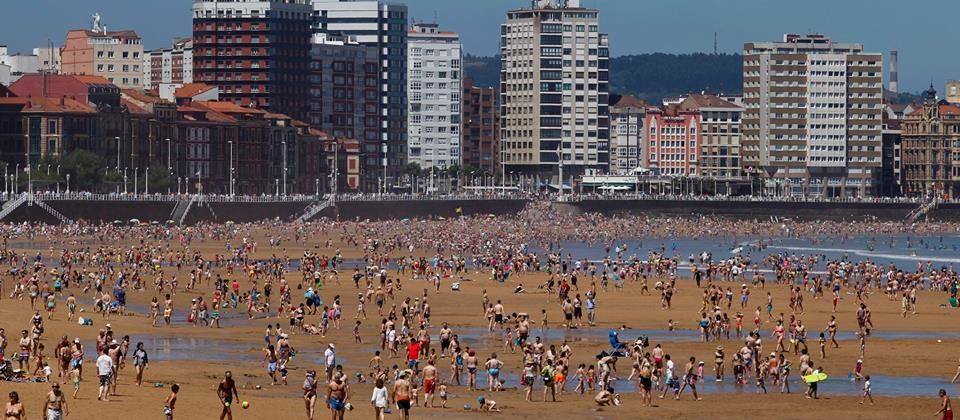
[(925, 32)]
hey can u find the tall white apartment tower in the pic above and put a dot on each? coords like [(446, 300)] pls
[(434, 61), (812, 119), (554, 105)]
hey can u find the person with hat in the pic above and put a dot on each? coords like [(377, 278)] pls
[(330, 359), (718, 363)]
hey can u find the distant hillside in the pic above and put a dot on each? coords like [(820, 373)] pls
[(649, 76)]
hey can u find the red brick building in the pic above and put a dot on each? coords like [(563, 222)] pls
[(257, 52), (479, 127)]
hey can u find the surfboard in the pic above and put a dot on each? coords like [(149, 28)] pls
[(819, 377)]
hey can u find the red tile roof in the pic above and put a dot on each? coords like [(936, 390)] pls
[(38, 104), (630, 101), (694, 102), (190, 90)]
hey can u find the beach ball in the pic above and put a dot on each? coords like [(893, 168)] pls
[(246, 405)]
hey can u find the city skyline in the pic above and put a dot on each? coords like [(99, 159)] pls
[(478, 24)]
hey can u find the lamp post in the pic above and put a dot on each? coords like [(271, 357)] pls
[(317, 182), (169, 167), (124, 181), (58, 179), (178, 185), (230, 187), (118, 153), (135, 169), (68, 183), (276, 183), (283, 144), (146, 181), (16, 179)]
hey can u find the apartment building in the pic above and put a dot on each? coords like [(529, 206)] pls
[(344, 88), (673, 137), (812, 119), (114, 55), (434, 76), (383, 26), (627, 136), (255, 51), (720, 126), (930, 144), (172, 65), (554, 105), (480, 128)]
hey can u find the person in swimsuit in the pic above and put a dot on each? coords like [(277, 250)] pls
[(170, 403), (14, 409), (227, 391), (945, 407), (401, 394), (55, 403), (337, 397), (310, 392)]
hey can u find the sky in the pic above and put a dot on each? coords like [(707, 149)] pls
[(924, 31)]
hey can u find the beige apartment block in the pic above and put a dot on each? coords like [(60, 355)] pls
[(116, 56)]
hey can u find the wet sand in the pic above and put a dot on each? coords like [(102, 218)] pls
[(208, 352)]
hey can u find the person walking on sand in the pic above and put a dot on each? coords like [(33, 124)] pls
[(310, 392), (55, 404), (170, 403), (945, 408), (379, 399), (104, 371), (227, 391)]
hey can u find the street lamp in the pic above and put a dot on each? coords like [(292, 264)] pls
[(135, 169), (16, 179), (276, 191), (146, 181), (230, 187), (284, 152), (68, 183), (118, 153)]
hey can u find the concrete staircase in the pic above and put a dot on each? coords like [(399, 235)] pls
[(316, 208), (181, 210), (11, 205), (923, 210), (53, 212)]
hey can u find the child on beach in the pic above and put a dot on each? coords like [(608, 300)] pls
[(867, 391)]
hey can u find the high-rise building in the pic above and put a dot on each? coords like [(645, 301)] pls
[(929, 143), (434, 74), (172, 65), (116, 56), (382, 26), (720, 126), (344, 94), (812, 118), (255, 51), (480, 129), (553, 89), (627, 136)]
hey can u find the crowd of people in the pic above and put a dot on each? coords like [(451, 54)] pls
[(56, 269)]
